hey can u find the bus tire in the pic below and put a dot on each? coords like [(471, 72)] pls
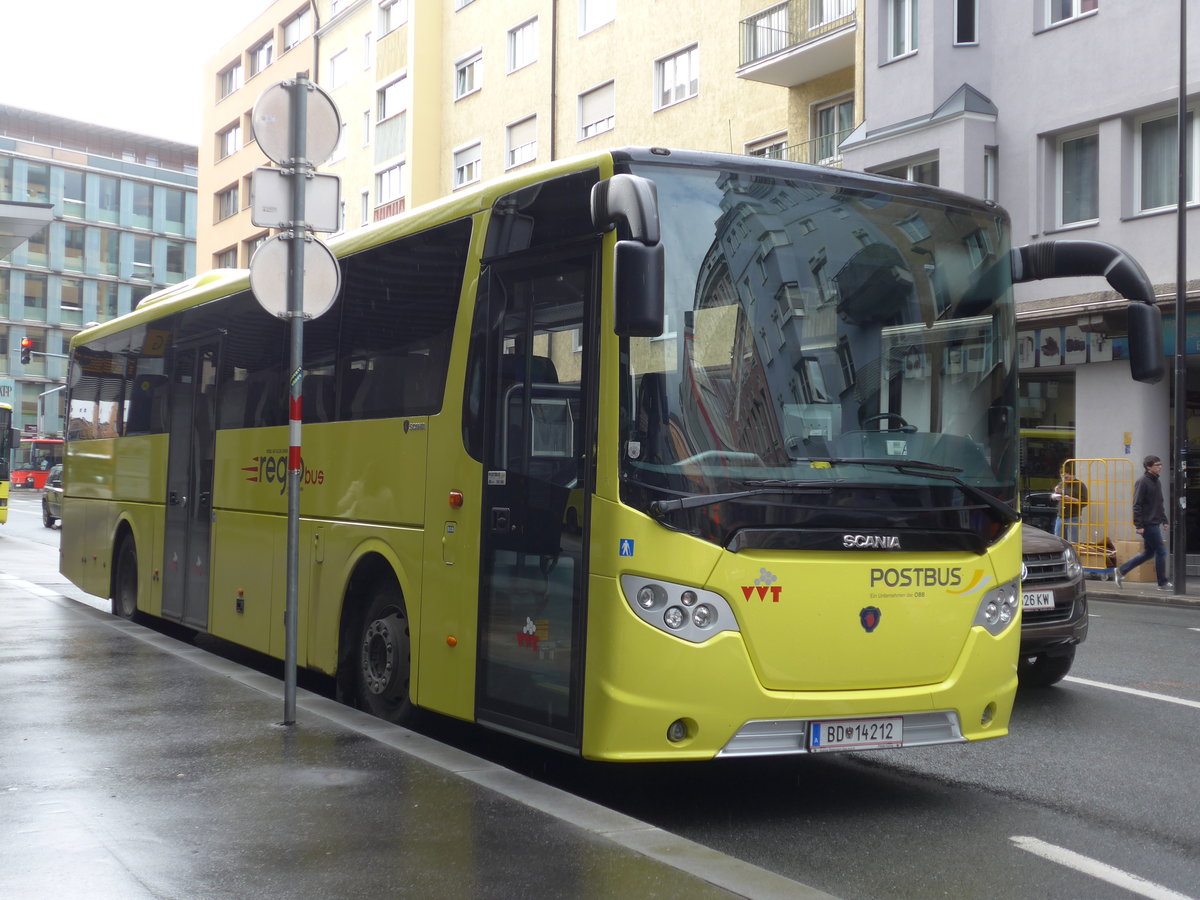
[(125, 580), (382, 657)]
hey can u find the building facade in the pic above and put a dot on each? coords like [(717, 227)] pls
[(123, 225), (1064, 112), (437, 95)]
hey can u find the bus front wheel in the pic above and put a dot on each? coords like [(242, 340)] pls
[(382, 655), (125, 581)]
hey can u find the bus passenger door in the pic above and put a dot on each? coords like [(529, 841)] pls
[(188, 525), (537, 464)]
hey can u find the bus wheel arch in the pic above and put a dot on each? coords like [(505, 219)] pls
[(375, 646), (124, 583)]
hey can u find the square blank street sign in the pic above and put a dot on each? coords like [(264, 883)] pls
[(271, 200)]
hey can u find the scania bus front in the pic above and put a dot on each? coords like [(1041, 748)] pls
[(817, 469)]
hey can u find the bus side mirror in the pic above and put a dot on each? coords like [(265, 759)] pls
[(1146, 359), (1063, 259), (630, 202)]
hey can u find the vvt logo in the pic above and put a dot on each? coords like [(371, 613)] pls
[(763, 584)]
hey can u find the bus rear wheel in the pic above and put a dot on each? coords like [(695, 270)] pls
[(382, 658), (125, 581)]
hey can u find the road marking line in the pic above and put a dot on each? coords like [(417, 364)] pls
[(1096, 869), (1195, 704)]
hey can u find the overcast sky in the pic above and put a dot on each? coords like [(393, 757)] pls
[(129, 64)]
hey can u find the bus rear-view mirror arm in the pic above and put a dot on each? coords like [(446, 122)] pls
[(630, 203), (1064, 259)]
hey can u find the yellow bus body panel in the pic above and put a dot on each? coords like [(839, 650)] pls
[(641, 679)]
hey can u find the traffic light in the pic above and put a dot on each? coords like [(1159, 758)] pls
[(26, 350)]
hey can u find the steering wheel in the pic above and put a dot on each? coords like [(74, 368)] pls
[(891, 417)]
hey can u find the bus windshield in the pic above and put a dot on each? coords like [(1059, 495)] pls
[(832, 357)]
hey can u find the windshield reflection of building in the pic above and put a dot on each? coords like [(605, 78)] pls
[(806, 280)]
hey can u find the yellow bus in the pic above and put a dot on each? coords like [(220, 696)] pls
[(644, 455), (7, 441)]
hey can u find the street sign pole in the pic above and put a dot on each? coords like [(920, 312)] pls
[(295, 310), (296, 126)]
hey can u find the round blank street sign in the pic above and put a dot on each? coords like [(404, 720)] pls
[(269, 277), (272, 123)]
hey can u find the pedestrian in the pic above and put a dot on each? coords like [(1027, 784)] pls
[(1150, 521), (1072, 496)]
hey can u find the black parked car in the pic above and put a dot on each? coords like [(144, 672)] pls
[(1054, 616)]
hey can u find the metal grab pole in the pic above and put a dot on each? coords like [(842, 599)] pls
[(295, 311)]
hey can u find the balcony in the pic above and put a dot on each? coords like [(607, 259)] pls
[(799, 40), (820, 151)]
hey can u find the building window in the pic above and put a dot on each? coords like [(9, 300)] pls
[(1065, 10), (143, 205), (390, 100), (143, 259), (74, 198), (467, 165), (336, 6), (769, 148), (966, 22), (71, 302), (924, 171), (176, 261), (833, 122), (73, 244), (37, 183), (227, 203), (226, 259), (173, 217), (459, 4), (261, 55), (468, 75), (297, 28), (35, 297), (387, 184), (902, 27), (521, 142), (229, 141), (1158, 162), (825, 12), (37, 249), (339, 68), (594, 13), (597, 110), (522, 45), (108, 199), (677, 77), (392, 14), (229, 80), (991, 165), (108, 248), (364, 207), (1078, 179)]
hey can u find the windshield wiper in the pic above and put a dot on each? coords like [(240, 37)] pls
[(662, 507), (915, 466)]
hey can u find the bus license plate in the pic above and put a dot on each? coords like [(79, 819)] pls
[(1037, 599), (855, 734)]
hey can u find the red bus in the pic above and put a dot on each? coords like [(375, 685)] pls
[(33, 460)]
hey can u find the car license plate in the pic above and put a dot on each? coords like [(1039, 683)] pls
[(1037, 599), (855, 734)]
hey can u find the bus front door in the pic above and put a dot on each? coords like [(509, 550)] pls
[(537, 462), (187, 532)]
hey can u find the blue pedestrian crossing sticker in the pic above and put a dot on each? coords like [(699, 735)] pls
[(626, 547)]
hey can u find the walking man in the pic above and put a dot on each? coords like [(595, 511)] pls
[(1150, 521)]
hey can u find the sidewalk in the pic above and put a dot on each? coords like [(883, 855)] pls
[(136, 766), (1144, 592)]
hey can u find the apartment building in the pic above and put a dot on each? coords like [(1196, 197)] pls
[(1065, 113), (121, 224), (437, 95)]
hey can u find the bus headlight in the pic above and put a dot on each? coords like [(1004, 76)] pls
[(999, 607), (686, 612)]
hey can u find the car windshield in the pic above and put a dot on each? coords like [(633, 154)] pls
[(834, 357)]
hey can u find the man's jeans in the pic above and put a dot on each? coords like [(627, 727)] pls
[(1152, 535)]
